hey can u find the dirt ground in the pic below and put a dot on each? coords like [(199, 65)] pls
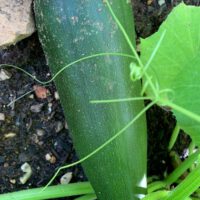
[(34, 129)]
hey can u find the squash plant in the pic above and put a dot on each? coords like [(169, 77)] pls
[(168, 79), (69, 30)]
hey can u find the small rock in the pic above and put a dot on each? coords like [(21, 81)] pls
[(40, 132), (161, 2), (16, 21), (56, 95), (4, 75), (50, 107), (10, 135), (5, 165), (51, 158), (66, 178), (13, 181), (36, 108), (48, 156), (149, 2), (40, 143), (2, 117), (59, 126), (31, 96), (26, 168), (41, 92)]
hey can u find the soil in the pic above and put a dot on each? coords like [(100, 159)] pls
[(37, 126)]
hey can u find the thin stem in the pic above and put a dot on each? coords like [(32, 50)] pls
[(182, 110), (20, 97), (174, 137), (119, 100), (154, 90), (68, 65), (155, 50), (189, 185), (191, 149), (124, 33), (182, 168), (157, 185), (132, 48)]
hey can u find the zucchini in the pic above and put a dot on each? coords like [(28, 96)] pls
[(69, 30)]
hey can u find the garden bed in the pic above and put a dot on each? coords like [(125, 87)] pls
[(35, 129)]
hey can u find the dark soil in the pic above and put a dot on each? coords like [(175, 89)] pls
[(37, 133), (30, 146)]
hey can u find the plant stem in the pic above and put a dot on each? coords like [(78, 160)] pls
[(51, 192), (68, 65), (181, 169), (174, 137), (186, 187)]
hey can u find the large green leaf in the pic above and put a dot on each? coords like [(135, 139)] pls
[(176, 65)]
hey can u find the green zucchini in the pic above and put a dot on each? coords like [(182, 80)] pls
[(69, 30)]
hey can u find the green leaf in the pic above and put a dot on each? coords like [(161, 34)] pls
[(187, 187), (52, 192), (176, 65)]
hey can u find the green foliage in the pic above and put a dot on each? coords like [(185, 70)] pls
[(52, 192), (169, 69), (176, 65)]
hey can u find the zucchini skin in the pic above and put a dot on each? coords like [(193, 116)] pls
[(69, 30)]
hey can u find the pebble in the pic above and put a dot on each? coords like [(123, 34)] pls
[(5, 165), (41, 92), (13, 181), (56, 95), (149, 2), (4, 75), (36, 108), (50, 107), (40, 132), (51, 158), (2, 117), (48, 156), (10, 135), (31, 96), (66, 178), (40, 143), (26, 168), (161, 2), (59, 126)]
